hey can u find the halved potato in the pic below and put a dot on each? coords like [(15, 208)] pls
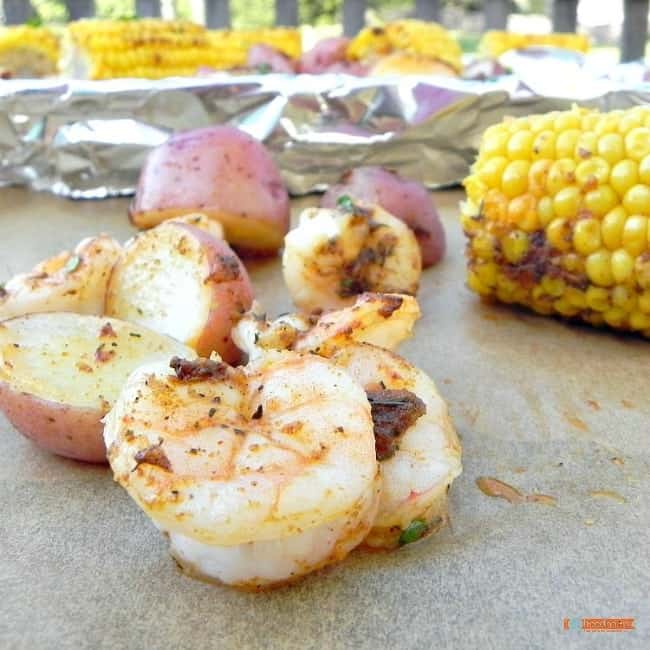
[(223, 173), (180, 280), (61, 372), (74, 281)]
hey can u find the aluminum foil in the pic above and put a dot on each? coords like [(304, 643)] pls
[(84, 139)]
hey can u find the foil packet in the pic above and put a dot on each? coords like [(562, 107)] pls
[(89, 139)]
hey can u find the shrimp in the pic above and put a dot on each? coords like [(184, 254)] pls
[(74, 282), (384, 319), (258, 474), (416, 444), (334, 255)]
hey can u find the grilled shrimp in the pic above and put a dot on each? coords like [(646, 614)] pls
[(416, 444), (73, 282), (258, 474), (384, 319), (334, 255)]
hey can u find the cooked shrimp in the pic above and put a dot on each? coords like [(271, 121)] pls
[(74, 282), (416, 444), (258, 474), (384, 319), (334, 255)]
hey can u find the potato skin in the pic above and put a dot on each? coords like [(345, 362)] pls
[(70, 431), (231, 297), (405, 199), (223, 173)]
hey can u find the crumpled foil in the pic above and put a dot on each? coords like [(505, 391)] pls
[(84, 139)]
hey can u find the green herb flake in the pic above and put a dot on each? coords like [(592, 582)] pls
[(263, 68), (72, 264), (414, 531), (344, 202), (34, 21), (211, 412), (135, 335)]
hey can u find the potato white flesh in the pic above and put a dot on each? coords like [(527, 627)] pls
[(181, 281), (61, 372)]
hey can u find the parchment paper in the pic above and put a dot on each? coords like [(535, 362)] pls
[(542, 405)]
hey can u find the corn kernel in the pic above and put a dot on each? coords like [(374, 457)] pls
[(495, 206), (586, 145), (567, 120), (644, 170), (558, 234), (624, 298), (515, 246), (522, 211), (515, 178), (566, 202), (637, 143), (544, 145), (599, 269), (597, 298), (623, 176), (635, 234), (553, 286), (611, 147), (586, 236), (643, 301), (638, 320), (637, 200), (537, 176), (487, 274), (545, 211), (642, 270), (593, 172), (483, 246), (560, 175), (615, 317), (576, 298), (601, 200), (495, 144), (565, 144), (630, 120), (491, 171), (564, 307), (573, 263), (475, 284), (475, 188), (543, 308), (622, 265), (612, 228), (520, 145)]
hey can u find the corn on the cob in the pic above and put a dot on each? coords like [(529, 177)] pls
[(409, 36), (558, 216), (153, 48), (27, 51), (495, 43)]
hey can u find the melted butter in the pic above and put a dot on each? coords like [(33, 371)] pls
[(493, 487)]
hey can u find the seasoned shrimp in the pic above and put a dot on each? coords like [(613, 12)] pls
[(416, 444), (258, 474), (334, 255), (74, 282), (384, 319)]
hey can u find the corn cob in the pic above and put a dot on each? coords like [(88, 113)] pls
[(414, 37), (558, 216), (494, 43), (27, 51)]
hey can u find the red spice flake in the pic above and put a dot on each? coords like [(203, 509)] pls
[(584, 153), (102, 355), (107, 331), (198, 369), (393, 412)]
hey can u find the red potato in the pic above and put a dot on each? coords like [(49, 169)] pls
[(223, 173), (61, 372), (74, 281), (405, 199), (182, 281), (266, 57), (328, 55)]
